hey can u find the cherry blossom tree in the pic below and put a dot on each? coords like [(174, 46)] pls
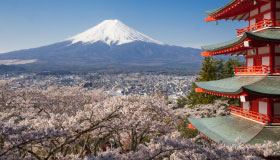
[(72, 120), (173, 147), (76, 123)]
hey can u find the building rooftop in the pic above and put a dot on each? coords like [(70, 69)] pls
[(266, 86), (234, 10), (214, 11), (228, 129), (269, 35)]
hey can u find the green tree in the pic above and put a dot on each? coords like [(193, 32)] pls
[(220, 66), (213, 69), (200, 98), (181, 102), (208, 72), (228, 67), (227, 72)]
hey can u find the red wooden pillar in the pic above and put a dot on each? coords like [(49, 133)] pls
[(269, 109), (273, 12), (271, 57)]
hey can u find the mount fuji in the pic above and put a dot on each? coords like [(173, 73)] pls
[(110, 43), (112, 32)]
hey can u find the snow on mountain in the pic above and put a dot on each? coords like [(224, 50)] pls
[(121, 47), (112, 32)]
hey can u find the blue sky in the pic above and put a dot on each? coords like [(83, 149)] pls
[(33, 23)]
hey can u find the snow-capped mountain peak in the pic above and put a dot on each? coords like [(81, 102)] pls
[(112, 32)]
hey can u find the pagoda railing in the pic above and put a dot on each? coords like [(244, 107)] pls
[(258, 26), (249, 114), (277, 69), (255, 116), (257, 70)]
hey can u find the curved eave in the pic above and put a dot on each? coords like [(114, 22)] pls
[(264, 86), (227, 129), (224, 45), (269, 35), (223, 87), (233, 9), (269, 86), (217, 10)]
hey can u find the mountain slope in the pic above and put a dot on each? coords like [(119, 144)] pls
[(110, 43)]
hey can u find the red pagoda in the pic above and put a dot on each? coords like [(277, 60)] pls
[(257, 85)]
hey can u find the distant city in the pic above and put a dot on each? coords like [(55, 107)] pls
[(171, 86)]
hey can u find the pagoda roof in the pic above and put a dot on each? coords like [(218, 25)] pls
[(217, 10), (228, 129), (234, 10), (269, 35), (264, 86)]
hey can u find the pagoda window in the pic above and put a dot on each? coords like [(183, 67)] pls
[(277, 60), (277, 15), (277, 49), (253, 21), (246, 105), (276, 109), (278, 4), (263, 50), (265, 61), (276, 68), (266, 7), (263, 107), (254, 12), (250, 62), (267, 15)]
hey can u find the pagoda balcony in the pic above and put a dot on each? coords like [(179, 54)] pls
[(256, 117), (257, 70), (266, 23)]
